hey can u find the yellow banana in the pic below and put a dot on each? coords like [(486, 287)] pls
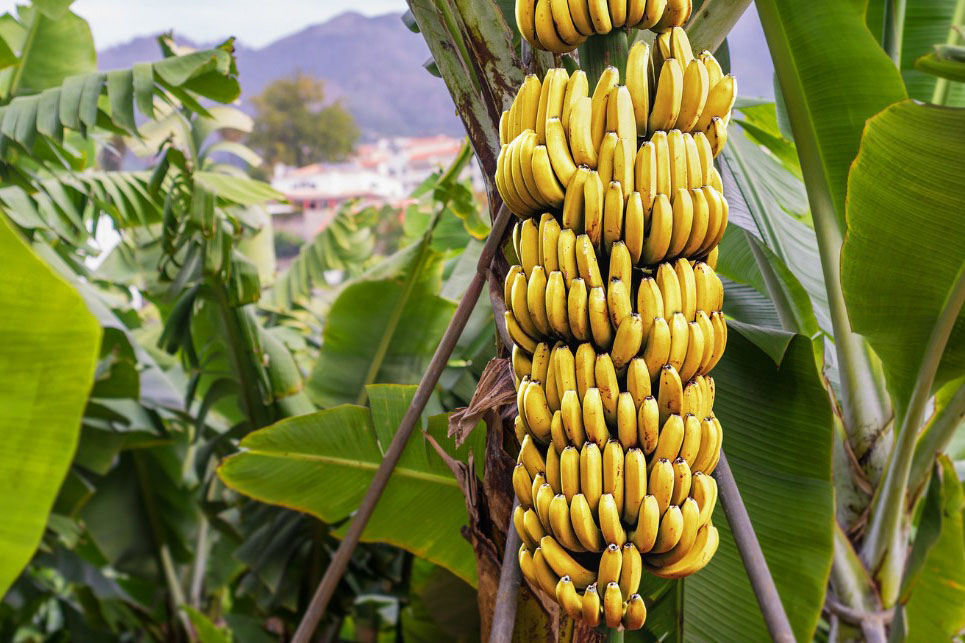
[(580, 13), (638, 83), (652, 14), (638, 381), (628, 340), (618, 301), (565, 370), (580, 133), (649, 303), (526, 151), (504, 126), (692, 394), (706, 388), (566, 255), (696, 89), (634, 226), (523, 485), (635, 615), (648, 424), (514, 270), (547, 579), (553, 467), (526, 21), (714, 72), (704, 493), (592, 606), (522, 364), (670, 292), (601, 96), (613, 606), (704, 548), (716, 133), (585, 369), (518, 523), (610, 525), (577, 310), (536, 300), (688, 289), (573, 202), (657, 351), (676, 15), (715, 180), (678, 160), (559, 152), (557, 432), (567, 596), (724, 216), (540, 362), (620, 116), (695, 172), (565, 565), (599, 319), (635, 11), (648, 524), (593, 200), (604, 165), (695, 352), (520, 308), (594, 418), (657, 243), (591, 474), (549, 234), (584, 526), (705, 156), (720, 101), (705, 288), (666, 102), (528, 246), (715, 217), (632, 570), (586, 262), (572, 416), (600, 16), (681, 485), (720, 339), (549, 38), (661, 483), (671, 528), (621, 263), (517, 334), (564, 23), (610, 566), (626, 420), (645, 173), (680, 46), (720, 438), (527, 567), (556, 312), (612, 227), (559, 514), (712, 258), (539, 417), (688, 536), (543, 497), (690, 446), (708, 443), (570, 472), (547, 184), (618, 12), (679, 339), (550, 388), (608, 385), (683, 221), (670, 439), (623, 159), (529, 97), (516, 175), (613, 479), (576, 87), (635, 484)]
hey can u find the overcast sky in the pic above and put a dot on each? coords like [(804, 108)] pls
[(254, 22)]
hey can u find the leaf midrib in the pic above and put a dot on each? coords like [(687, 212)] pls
[(361, 465)]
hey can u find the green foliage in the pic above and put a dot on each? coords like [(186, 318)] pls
[(49, 350), (293, 127)]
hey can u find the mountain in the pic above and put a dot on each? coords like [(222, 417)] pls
[(372, 64)]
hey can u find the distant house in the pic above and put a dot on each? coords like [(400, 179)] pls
[(384, 172)]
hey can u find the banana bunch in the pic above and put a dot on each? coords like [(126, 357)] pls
[(560, 26), (615, 308)]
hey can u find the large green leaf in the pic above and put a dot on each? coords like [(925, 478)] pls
[(906, 246), (387, 323), (833, 77), (936, 610), (322, 463), (777, 436), (48, 353)]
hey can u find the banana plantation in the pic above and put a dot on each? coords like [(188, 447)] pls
[(690, 367)]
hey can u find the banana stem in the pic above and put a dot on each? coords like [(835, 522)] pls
[(340, 560), (933, 440), (504, 612), (940, 94), (600, 52), (709, 26), (750, 551), (894, 29), (885, 537), (615, 636)]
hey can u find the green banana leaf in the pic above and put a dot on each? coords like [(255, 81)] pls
[(905, 247), (777, 436), (386, 323), (49, 351), (322, 463), (833, 77), (936, 609), (927, 23)]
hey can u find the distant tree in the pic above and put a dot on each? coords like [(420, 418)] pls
[(295, 127)]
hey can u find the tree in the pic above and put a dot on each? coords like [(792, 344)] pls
[(293, 126)]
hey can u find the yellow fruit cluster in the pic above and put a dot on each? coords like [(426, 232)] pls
[(615, 310), (560, 26)]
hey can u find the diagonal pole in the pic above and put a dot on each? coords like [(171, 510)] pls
[(336, 569)]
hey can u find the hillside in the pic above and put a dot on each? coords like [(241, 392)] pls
[(373, 64)]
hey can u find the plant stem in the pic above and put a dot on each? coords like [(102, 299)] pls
[(853, 586), (614, 636), (894, 29), (340, 560), (709, 26), (940, 94), (24, 53), (885, 538), (241, 359), (934, 438), (504, 612)]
